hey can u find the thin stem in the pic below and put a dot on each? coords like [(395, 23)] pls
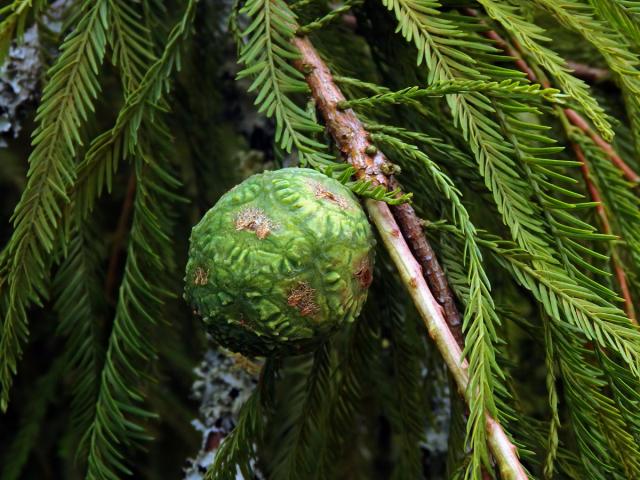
[(352, 139), (606, 228), (588, 73), (118, 239), (411, 228), (575, 118), (501, 447)]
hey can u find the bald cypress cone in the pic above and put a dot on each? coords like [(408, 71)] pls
[(280, 262)]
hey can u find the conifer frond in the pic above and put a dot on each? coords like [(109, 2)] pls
[(101, 162), (360, 84), (529, 435), (554, 189), (299, 460), (531, 38), (624, 390), (66, 103), (266, 56), (434, 146), (613, 47), (596, 418), (620, 202), (340, 410), (508, 88), (364, 188), (621, 17), (325, 20), (119, 414), (599, 427), (566, 301), (633, 6), (551, 381), (131, 43), (407, 405), (78, 293), (421, 22)]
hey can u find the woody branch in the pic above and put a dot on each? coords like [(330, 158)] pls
[(352, 139)]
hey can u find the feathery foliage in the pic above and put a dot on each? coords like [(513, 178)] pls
[(66, 103), (105, 152), (508, 88), (529, 36), (266, 56), (296, 461), (493, 115), (140, 300), (78, 297), (613, 47)]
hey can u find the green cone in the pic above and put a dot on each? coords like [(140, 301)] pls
[(280, 262)]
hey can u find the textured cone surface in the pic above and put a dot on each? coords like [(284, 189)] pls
[(280, 262)]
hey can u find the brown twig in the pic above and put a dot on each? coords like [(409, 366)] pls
[(606, 228), (576, 119), (411, 229), (588, 73), (118, 239), (352, 139)]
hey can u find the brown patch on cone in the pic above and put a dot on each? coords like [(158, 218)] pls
[(303, 298), (323, 193), (201, 276), (255, 220), (364, 273)]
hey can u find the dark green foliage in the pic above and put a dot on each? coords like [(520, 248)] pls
[(149, 110), (66, 101)]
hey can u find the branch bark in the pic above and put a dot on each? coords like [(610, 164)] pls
[(352, 140), (575, 118), (411, 229), (118, 239)]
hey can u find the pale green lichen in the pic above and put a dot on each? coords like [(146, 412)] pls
[(280, 262)]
